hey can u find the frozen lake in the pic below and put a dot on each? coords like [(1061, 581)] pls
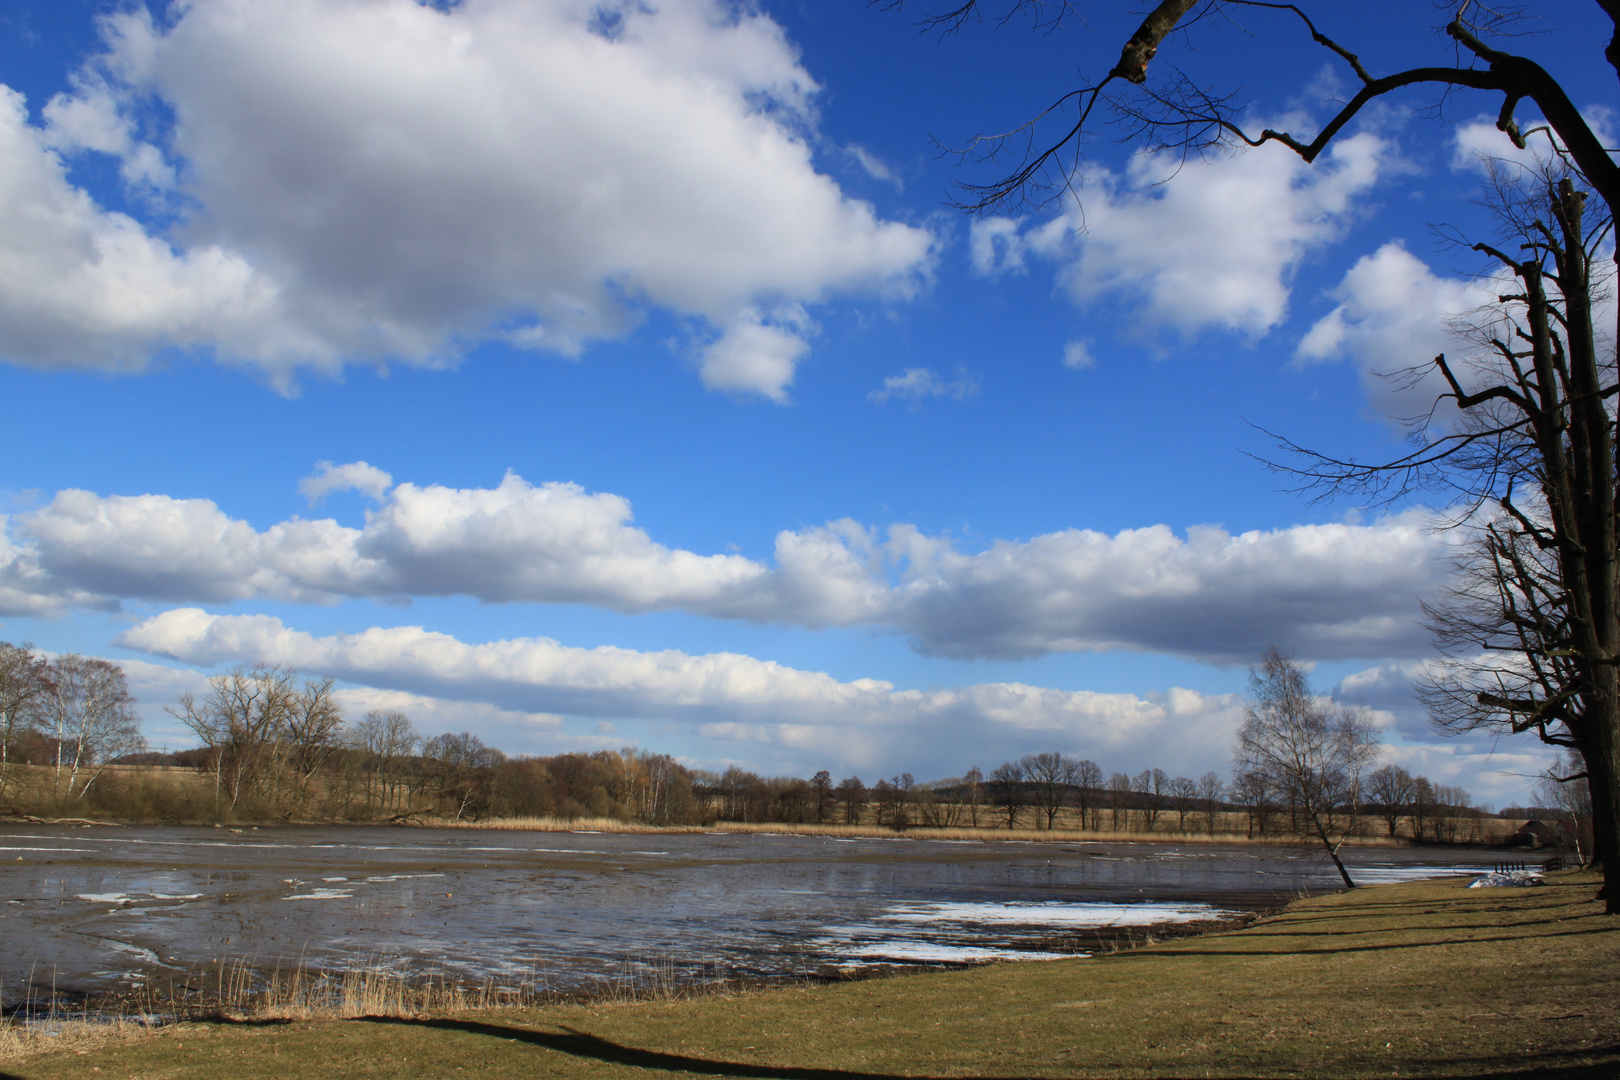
[(100, 908)]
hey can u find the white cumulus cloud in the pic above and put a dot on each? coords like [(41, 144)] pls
[(726, 696), (386, 179), (1214, 245), (1329, 591)]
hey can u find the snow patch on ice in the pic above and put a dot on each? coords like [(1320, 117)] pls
[(1506, 879), (1054, 914), (928, 952), (1389, 875)]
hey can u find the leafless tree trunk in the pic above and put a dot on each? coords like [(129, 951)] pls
[(1088, 779), (1315, 753), (1549, 410), (25, 687), (1210, 792), (1391, 789), (1119, 799), (91, 717), (1009, 780), (245, 716), (973, 793)]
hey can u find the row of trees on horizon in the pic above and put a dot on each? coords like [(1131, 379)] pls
[(274, 745)]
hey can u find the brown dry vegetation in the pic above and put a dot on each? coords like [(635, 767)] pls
[(1425, 978), (172, 794)]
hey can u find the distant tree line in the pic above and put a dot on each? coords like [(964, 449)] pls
[(277, 745)]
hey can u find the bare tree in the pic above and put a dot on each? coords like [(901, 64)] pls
[(1088, 782), (973, 793), (1210, 792), (1254, 793), (1563, 787), (1174, 113), (25, 686), (1119, 800), (1008, 779), (821, 786), (1538, 437), (1390, 789), (314, 731), (1313, 752), (1152, 787), (1183, 794), (1048, 777), (1532, 629), (852, 795), (460, 768), (89, 713), (244, 717), (386, 738)]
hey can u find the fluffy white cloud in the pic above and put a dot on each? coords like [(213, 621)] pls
[(1325, 590), (1215, 245), (1329, 591), (725, 696), (756, 356), (375, 179), (553, 543), (82, 287), (1394, 313)]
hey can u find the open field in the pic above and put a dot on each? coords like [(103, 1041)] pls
[(1425, 978)]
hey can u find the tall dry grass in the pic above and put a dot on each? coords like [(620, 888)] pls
[(244, 991)]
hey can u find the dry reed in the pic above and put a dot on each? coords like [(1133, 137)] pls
[(245, 992)]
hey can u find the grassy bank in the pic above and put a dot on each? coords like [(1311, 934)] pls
[(1423, 978)]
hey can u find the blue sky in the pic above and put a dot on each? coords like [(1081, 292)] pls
[(691, 415)]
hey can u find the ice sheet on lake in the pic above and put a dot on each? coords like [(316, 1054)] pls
[(146, 956), (1389, 875), (1054, 915), (969, 933), (1507, 879), (133, 898), (322, 894), (928, 952)]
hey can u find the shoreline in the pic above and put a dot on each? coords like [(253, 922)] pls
[(980, 834), (1256, 1002)]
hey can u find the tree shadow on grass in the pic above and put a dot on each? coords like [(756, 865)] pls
[(580, 1044), (1430, 929), (1161, 953)]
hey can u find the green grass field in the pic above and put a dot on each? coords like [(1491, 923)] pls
[(1425, 979)]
